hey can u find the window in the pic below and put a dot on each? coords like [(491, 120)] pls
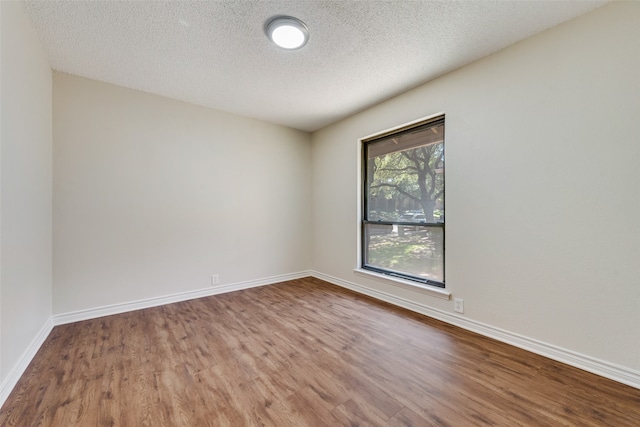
[(403, 203)]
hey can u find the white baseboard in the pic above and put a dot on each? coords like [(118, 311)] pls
[(599, 367), (605, 369), (18, 369), (108, 310), (16, 372)]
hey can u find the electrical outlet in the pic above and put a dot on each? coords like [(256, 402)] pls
[(215, 279), (458, 305)]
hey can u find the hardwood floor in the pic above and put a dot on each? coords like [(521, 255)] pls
[(300, 353)]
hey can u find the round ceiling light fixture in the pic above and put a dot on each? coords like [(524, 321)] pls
[(287, 32)]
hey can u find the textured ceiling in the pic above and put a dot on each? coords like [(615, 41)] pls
[(215, 53)]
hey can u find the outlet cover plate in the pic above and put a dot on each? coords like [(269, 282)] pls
[(458, 305)]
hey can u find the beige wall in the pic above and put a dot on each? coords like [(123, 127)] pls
[(153, 196), (25, 187), (543, 185)]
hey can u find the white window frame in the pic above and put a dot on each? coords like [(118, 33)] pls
[(431, 290)]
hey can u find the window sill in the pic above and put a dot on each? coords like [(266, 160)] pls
[(425, 289)]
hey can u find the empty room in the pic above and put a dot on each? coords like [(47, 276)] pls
[(232, 213)]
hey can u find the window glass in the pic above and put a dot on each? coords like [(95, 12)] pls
[(417, 251), (403, 223)]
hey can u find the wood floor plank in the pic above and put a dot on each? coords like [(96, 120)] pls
[(407, 418), (299, 353), (354, 414)]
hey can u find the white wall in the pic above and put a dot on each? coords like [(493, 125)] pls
[(25, 188), (542, 182), (153, 196)]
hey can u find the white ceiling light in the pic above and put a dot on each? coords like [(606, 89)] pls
[(287, 32)]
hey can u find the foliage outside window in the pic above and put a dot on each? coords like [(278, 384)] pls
[(403, 203)]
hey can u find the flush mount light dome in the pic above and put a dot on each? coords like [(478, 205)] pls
[(287, 32)]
